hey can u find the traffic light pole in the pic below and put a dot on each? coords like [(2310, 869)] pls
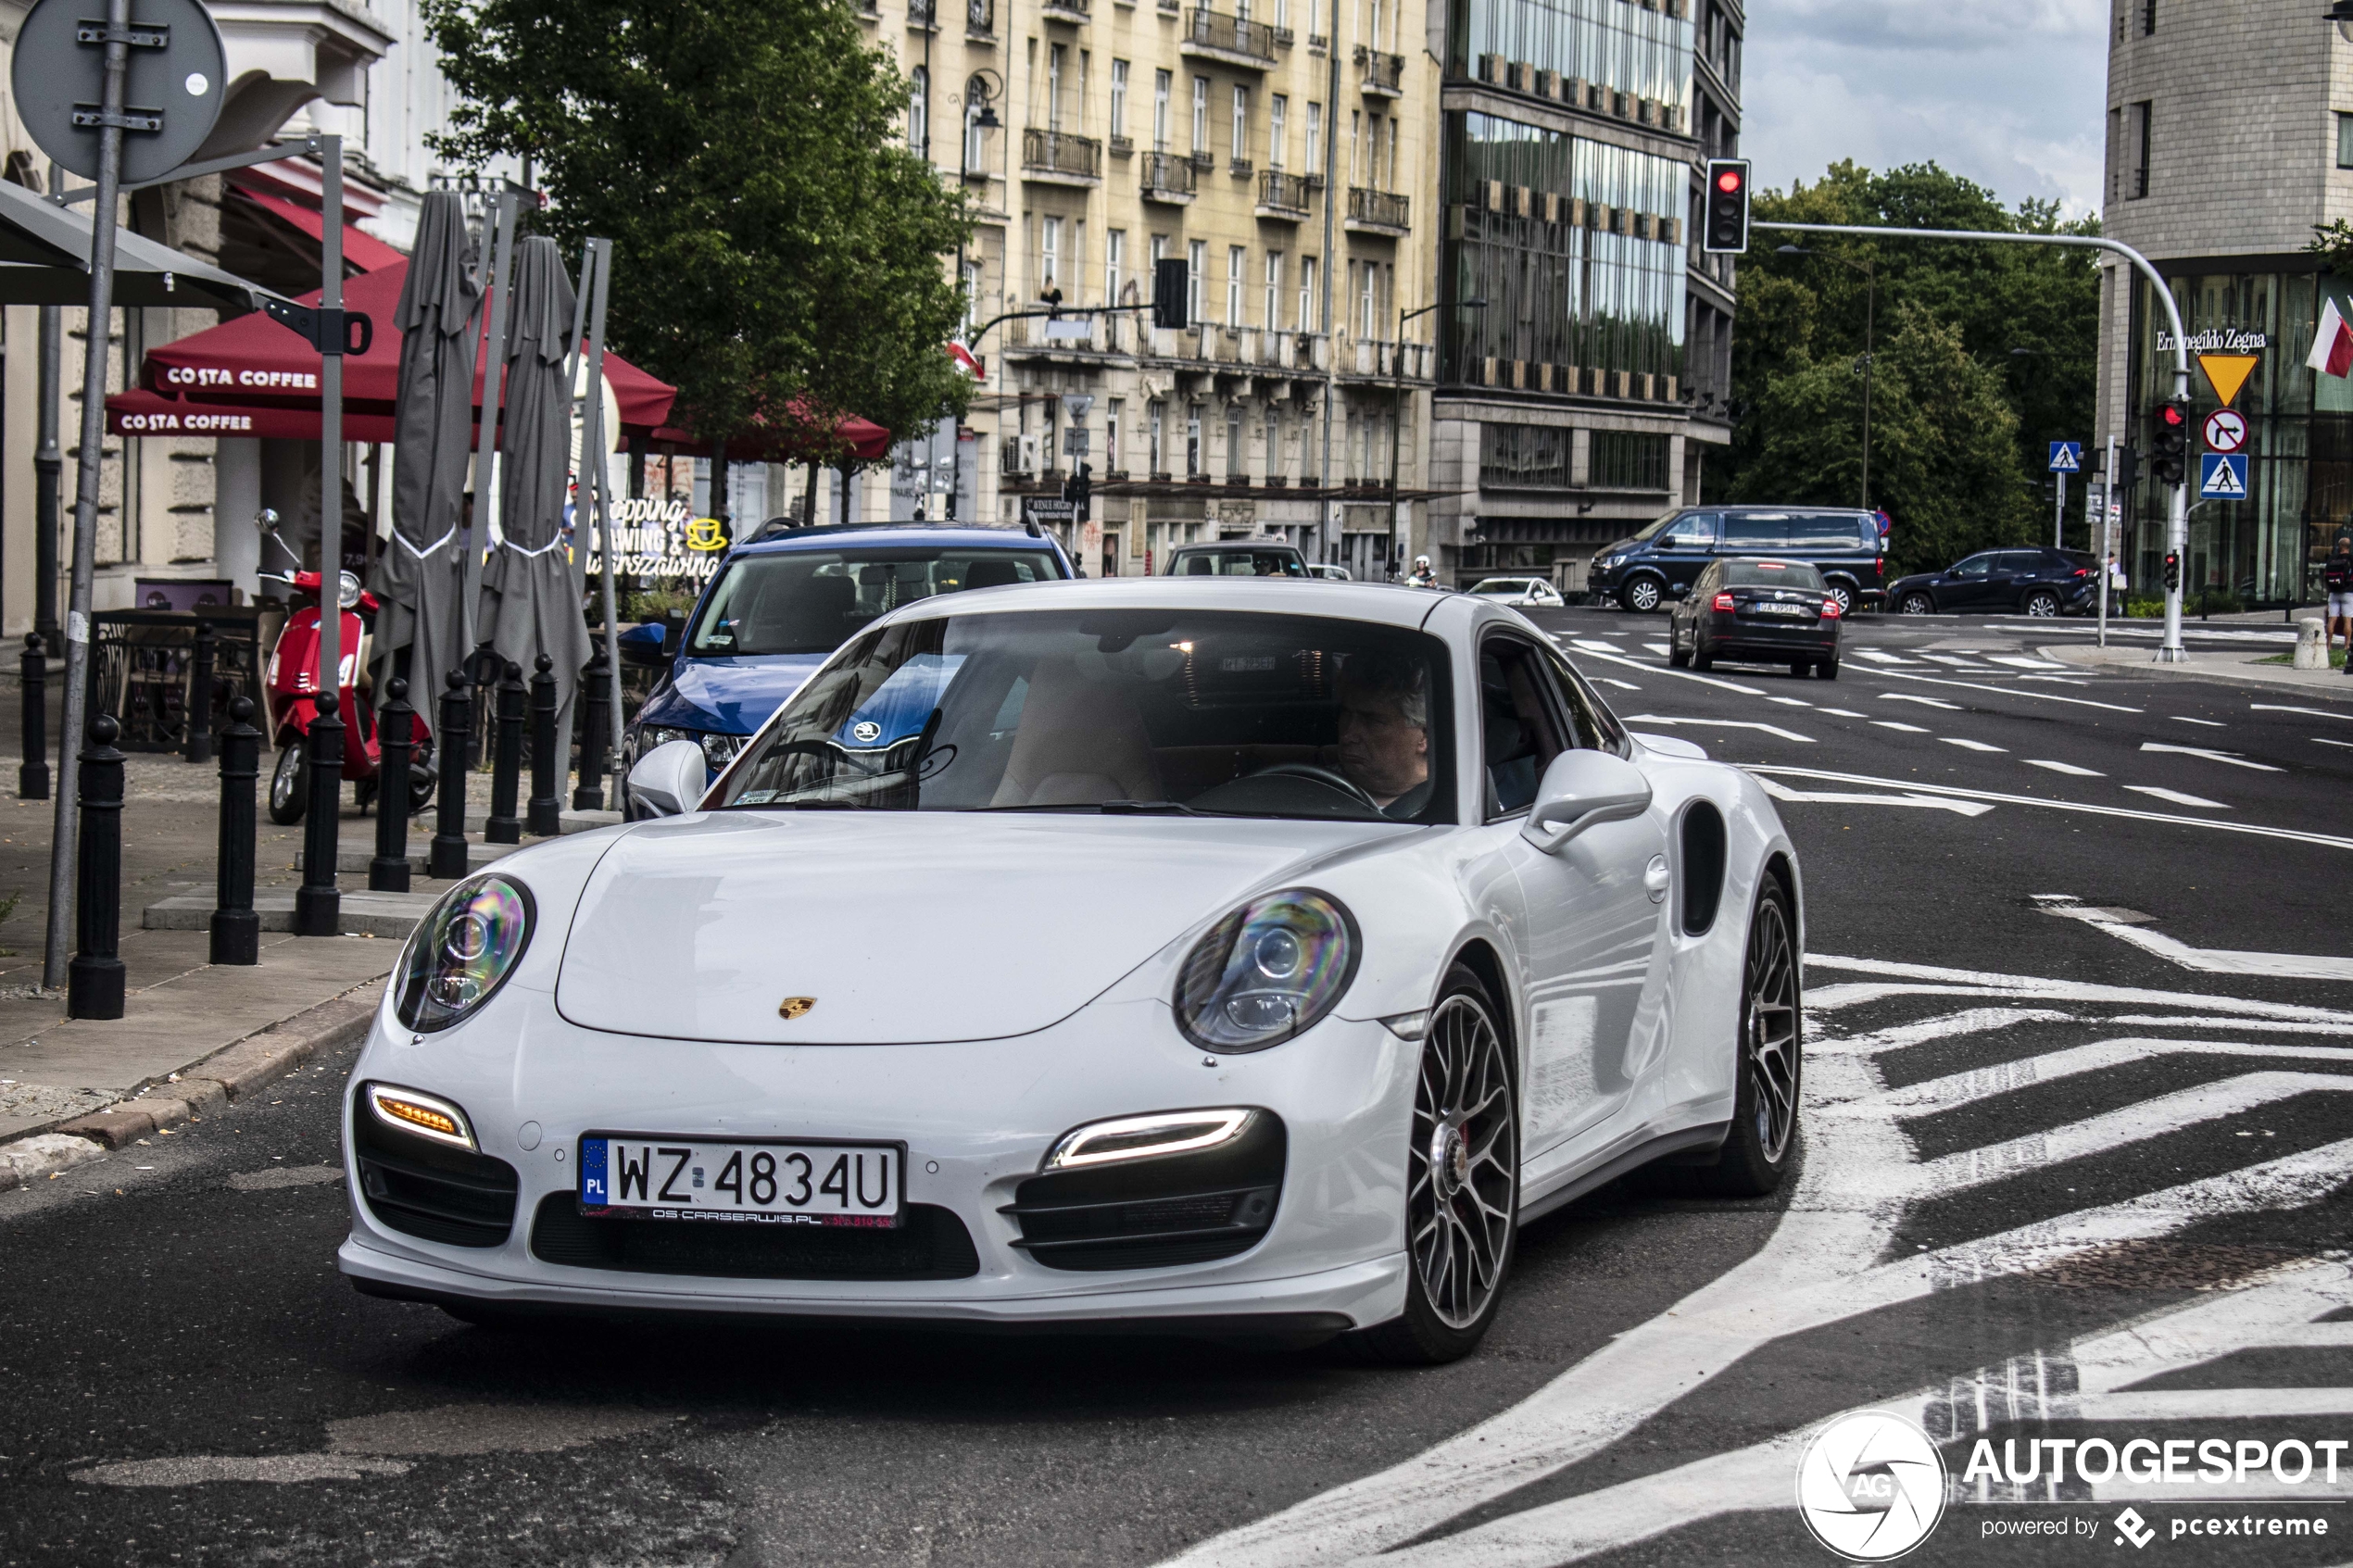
[(2178, 522)]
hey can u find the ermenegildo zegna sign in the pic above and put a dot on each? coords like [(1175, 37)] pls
[(2214, 340)]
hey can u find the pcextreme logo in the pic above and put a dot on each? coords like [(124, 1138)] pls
[(2130, 1526), (1871, 1486)]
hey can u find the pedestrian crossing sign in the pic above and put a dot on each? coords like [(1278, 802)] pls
[(2067, 457), (2222, 476)]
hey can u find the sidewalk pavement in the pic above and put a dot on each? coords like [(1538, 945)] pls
[(2236, 667), (193, 1038)]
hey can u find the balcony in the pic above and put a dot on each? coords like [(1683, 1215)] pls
[(980, 22), (1377, 212), (1122, 147), (1166, 178), (1210, 36), (1057, 158), (1066, 10), (1241, 169), (1384, 74), (1282, 196)]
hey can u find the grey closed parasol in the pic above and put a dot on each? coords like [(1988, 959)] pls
[(531, 586), (418, 575)]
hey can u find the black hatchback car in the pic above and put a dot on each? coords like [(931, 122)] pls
[(1656, 566), (1765, 611), (2038, 582)]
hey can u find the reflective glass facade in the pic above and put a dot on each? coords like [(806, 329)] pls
[(1641, 53)]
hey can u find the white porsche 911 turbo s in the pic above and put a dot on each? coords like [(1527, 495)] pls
[(1246, 958)]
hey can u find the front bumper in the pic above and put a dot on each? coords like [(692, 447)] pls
[(977, 1119)]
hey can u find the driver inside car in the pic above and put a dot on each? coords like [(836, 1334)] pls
[(1384, 732)]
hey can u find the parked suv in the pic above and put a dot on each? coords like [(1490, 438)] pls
[(2039, 582), (1659, 564)]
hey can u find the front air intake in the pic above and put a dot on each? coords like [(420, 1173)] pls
[(1157, 1212)]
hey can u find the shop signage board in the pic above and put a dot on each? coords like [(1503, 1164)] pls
[(660, 539), (2222, 476)]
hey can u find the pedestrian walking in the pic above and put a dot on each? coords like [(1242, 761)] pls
[(2337, 576)]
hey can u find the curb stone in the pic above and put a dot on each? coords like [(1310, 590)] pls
[(41, 1155)]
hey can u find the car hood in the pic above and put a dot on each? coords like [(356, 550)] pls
[(733, 697), (906, 927)]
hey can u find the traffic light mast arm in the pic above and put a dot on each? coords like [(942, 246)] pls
[(973, 337), (2177, 525)]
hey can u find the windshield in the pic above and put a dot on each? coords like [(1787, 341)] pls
[(1216, 714), (1502, 585), (1771, 574), (813, 601), (1651, 528), (1239, 562)]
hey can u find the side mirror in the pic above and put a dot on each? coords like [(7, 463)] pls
[(1579, 789), (641, 646), (667, 781)]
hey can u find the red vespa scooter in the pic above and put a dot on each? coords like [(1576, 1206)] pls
[(291, 686)]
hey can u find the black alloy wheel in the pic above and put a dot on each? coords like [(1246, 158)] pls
[(1755, 1156), (2041, 602), (1462, 1186), (290, 784), (1917, 604), (1642, 594)]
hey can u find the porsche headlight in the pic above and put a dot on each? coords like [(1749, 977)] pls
[(1266, 971), (464, 952)]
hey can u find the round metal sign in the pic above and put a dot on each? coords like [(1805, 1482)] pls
[(176, 77), (2225, 431)]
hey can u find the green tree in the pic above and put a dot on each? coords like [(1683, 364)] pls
[(2025, 317), (778, 248)]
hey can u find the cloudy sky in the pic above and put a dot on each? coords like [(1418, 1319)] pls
[(2008, 93)]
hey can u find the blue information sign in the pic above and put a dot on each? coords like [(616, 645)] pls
[(2067, 457), (2222, 476)]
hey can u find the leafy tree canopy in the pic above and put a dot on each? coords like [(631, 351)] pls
[(1984, 353), (777, 246)]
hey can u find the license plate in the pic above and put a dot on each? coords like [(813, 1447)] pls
[(637, 1177), (1781, 609)]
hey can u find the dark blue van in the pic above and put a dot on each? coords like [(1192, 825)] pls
[(1657, 565)]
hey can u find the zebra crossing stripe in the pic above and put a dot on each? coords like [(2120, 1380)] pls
[(1971, 1084)]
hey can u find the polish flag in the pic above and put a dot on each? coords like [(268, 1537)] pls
[(2332, 344)]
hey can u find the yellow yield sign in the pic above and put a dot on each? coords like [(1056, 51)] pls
[(2227, 373)]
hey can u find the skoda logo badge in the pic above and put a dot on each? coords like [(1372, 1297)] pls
[(793, 1007), (866, 732)]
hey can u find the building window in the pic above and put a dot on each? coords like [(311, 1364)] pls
[(1119, 97), (1236, 259), (1367, 317), (1056, 54), (1114, 263), (1192, 440), (919, 110), (1237, 452), (1156, 416), (1624, 460), (1200, 117), (1196, 269), (1049, 253), (1160, 111), (1523, 458), (1274, 291), (1112, 421), (2345, 141), (2148, 18), (1241, 123), (1277, 124), (2138, 124), (1307, 294), (971, 296), (1314, 138)]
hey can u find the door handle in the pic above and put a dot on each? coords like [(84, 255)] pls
[(1655, 877)]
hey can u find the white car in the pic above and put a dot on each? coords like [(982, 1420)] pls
[(1234, 957), (1329, 573), (1518, 591)]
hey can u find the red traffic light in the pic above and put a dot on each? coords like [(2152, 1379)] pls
[(1728, 181), (2172, 414)]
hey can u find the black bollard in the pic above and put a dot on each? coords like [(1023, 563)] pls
[(317, 904), (546, 810), (197, 748), (395, 735), (449, 859), (506, 769), (33, 777), (94, 983), (595, 731), (236, 930)]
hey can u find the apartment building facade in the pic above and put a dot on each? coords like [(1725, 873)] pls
[(1584, 359), (1285, 151), (2229, 139)]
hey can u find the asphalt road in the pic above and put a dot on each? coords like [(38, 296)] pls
[(2076, 1049)]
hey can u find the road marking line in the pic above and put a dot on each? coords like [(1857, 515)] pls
[(2319, 741), (1972, 745), (1662, 649), (1923, 701), (2009, 691), (1589, 645), (1955, 660), (1789, 701), (2060, 680), (1937, 980), (2069, 768), (1969, 1020), (2185, 719), (2176, 797), (2309, 712), (1621, 685), (2205, 960), (2023, 662), (2294, 835), (1842, 712), (1720, 724), (2234, 759), (1891, 724), (1680, 674), (1782, 792), (1876, 657), (1977, 1083)]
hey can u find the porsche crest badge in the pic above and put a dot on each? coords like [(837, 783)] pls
[(793, 1007)]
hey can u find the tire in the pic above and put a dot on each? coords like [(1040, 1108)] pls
[(1826, 669), (1845, 597), (1678, 656), (1917, 604), (2042, 602), (1701, 657), (290, 785), (1642, 594), (1757, 1152), (1462, 1207)]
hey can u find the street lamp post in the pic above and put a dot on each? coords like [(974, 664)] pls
[(1871, 312), (1397, 395)]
